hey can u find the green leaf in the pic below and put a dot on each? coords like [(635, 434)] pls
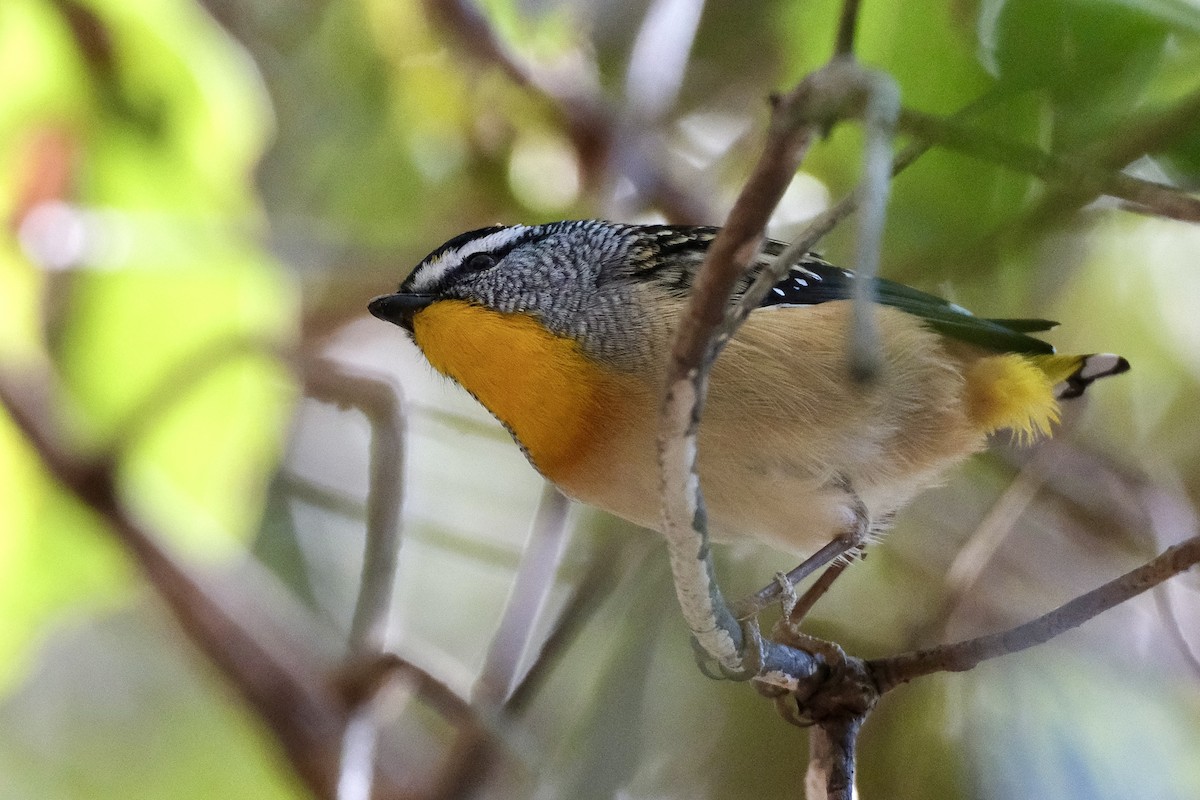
[(1093, 61)]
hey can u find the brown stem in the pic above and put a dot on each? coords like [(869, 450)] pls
[(831, 758), (817, 591), (847, 25), (961, 656)]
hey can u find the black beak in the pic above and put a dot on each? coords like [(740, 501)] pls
[(399, 308)]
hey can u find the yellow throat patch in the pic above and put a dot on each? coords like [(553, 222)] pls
[(554, 399)]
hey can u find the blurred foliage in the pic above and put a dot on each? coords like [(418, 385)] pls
[(181, 178)]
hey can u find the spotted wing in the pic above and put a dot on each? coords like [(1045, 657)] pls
[(814, 281)]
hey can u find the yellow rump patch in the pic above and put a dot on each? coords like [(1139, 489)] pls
[(1017, 392)]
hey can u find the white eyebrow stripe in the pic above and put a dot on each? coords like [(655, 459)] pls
[(428, 274)]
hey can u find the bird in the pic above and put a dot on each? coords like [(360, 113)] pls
[(563, 332)]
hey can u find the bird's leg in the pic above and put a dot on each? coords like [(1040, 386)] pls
[(852, 538)]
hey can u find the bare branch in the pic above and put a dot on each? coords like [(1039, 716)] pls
[(821, 585), (598, 578), (831, 758), (382, 403), (731, 253), (879, 119), (356, 771), (981, 546), (282, 680), (531, 588), (847, 26), (659, 57), (816, 230), (708, 322), (476, 743), (961, 656)]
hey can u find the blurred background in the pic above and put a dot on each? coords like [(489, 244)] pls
[(198, 195)]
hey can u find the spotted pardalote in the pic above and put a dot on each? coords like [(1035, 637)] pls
[(562, 331)]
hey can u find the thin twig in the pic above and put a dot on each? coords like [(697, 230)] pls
[(819, 227), (709, 323), (981, 546), (961, 656), (816, 230), (281, 680), (1147, 131), (705, 327), (659, 57), (476, 744), (382, 403), (531, 589), (815, 592), (657, 66), (879, 119), (847, 26), (599, 577), (359, 744), (377, 397), (755, 603)]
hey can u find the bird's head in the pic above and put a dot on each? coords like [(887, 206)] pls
[(549, 271)]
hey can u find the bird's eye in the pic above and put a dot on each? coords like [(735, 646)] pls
[(478, 262)]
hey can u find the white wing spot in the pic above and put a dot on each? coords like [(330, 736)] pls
[(801, 281), (778, 291)]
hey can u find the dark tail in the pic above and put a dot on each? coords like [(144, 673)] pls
[(1091, 369)]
